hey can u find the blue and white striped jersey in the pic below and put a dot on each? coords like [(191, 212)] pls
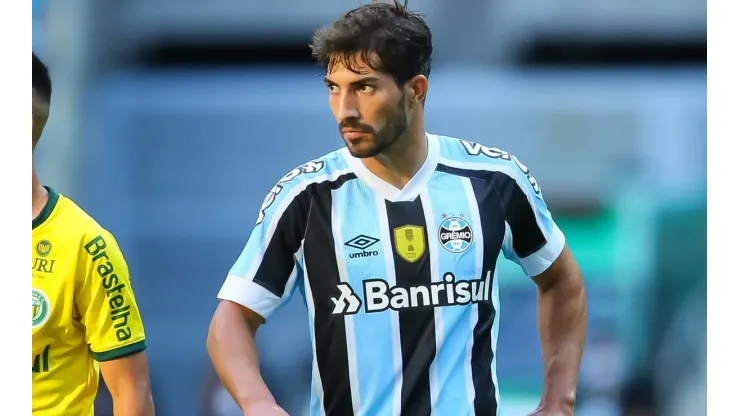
[(400, 285)]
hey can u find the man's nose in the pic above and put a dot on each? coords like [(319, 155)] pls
[(348, 107)]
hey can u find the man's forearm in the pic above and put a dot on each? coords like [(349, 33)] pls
[(562, 328), (233, 353), (133, 404)]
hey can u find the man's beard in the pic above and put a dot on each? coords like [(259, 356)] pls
[(380, 141)]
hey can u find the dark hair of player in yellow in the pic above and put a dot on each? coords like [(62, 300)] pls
[(41, 98)]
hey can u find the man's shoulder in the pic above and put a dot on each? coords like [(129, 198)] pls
[(78, 223), (292, 186), (480, 160), (326, 168), (472, 154)]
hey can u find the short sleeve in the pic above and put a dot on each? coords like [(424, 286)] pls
[(533, 240), (268, 269), (105, 300)]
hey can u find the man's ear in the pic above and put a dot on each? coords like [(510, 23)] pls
[(416, 88)]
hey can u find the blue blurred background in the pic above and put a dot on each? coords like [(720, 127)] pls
[(172, 119)]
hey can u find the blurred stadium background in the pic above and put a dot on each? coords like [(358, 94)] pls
[(172, 119)]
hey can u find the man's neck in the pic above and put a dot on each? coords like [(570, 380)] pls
[(400, 163), (39, 195)]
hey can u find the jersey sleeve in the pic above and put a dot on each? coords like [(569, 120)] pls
[(105, 300), (532, 239), (268, 270)]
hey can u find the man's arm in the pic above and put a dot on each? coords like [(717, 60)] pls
[(534, 241), (261, 280), (114, 329), (127, 379), (561, 318), (233, 352)]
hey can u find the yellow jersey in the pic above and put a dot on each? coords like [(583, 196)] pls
[(83, 306)]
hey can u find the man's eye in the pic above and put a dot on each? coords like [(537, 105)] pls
[(366, 88)]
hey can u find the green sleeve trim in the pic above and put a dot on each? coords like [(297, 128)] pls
[(48, 208), (120, 352)]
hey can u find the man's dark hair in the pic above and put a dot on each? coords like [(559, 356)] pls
[(400, 38), (41, 79)]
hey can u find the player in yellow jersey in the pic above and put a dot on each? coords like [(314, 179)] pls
[(85, 318)]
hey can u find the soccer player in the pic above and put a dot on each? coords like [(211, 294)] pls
[(393, 241), (85, 318)]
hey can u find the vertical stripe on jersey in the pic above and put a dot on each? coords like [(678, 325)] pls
[(439, 324), (479, 253), (491, 205), (361, 247), (386, 241), (416, 325), (494, 340), (493, 229), (454, 328), (340, 205), (323, 277), (316, 405)]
